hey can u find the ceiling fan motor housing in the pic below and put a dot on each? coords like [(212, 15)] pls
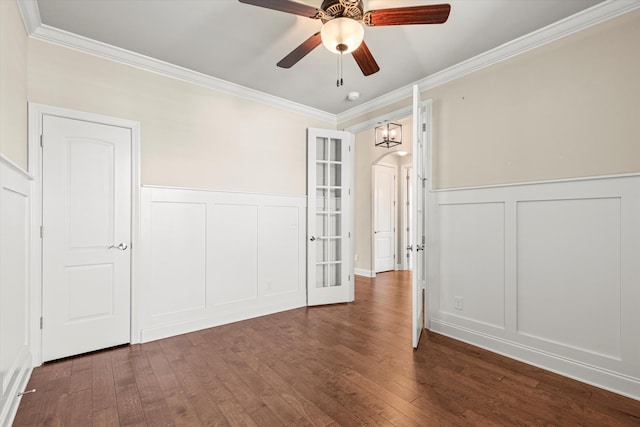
[(353, 9)]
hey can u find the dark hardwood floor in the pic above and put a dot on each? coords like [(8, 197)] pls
[(348, 364)]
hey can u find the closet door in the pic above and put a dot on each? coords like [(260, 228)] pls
[(329, 277)]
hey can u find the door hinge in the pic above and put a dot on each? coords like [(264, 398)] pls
[(41, 232), (41, 322), (349, 234), (424, 127), (41, 143), (349, 278)]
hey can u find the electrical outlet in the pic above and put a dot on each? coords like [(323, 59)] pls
[(457, 301)]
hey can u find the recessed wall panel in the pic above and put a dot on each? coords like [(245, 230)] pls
[(279, 246), (569, 277), (13, 280), (234, 253), (178, 257), (472, 261)]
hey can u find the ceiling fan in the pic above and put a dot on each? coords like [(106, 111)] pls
[(343, 31)]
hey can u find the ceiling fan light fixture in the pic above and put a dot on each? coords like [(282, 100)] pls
[(342, 35)]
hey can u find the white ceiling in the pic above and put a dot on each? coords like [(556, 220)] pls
[(241, 44)]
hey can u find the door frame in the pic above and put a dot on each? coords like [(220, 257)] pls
[(430, 207), (36, 112)]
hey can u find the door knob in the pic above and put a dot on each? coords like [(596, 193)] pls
[(410, 247), (312, 238), (419, 248), (121, 246)]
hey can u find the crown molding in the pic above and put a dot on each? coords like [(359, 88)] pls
[(582, 20), (30, 14), (39, 31)]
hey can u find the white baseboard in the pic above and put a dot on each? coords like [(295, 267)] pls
[(579, 371), (364, 272), (18, 384), (174, 329)]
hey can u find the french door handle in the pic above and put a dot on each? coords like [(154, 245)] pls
[(312, 238), (121, 246), (419, 248), (410, 247)]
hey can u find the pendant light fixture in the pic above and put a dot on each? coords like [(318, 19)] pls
[(388, 135)]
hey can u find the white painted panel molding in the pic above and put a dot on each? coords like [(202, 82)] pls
[(564, 257), (15, 353), (279, 240), (178, 250), (568, 265), (472, 261), (235, 253), (213, 257)]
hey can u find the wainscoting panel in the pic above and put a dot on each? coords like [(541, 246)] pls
[(15, 356), (569, 270), (281, 241), (472, 261), (547, 273), (178, 249), (211, 257), (235, 253)]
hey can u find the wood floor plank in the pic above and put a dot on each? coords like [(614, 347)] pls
[(338, 365)]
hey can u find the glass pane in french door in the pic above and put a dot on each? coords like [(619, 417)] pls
[(328, 210)]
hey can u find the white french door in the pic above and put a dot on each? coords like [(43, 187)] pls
[(329, 277), (419, 179), (384, 218), (86, 219)]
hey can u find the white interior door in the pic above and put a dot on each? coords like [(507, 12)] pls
[(329, 277), (384, 218), (86, 175), (418, 207)]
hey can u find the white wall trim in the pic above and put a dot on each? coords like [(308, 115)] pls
[(36, 112), (14, 328), (548, 181), (218, 276), (585, 232), (595, 15), (168, 187), (11, 165), (10, 407), (583, 372), (364, 272), (39, 31)]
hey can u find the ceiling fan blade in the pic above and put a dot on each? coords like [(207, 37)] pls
[(365, 60), (429, 14), (285, 6), (301, 51)]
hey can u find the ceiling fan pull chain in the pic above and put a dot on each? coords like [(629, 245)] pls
[(339, 82), (338, 72)]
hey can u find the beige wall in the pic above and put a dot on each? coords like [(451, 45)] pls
[(567, 109), (13, 84), (191, 136), (366, 155)]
